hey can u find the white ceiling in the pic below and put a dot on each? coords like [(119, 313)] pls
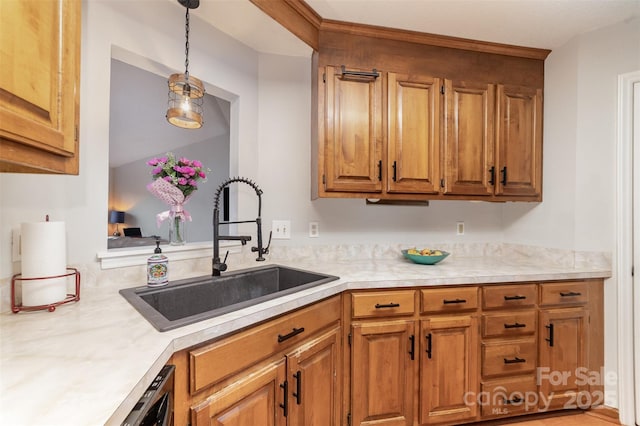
[(544, 24)]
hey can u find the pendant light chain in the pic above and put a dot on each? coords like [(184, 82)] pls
[(186, 93), (186, 46)]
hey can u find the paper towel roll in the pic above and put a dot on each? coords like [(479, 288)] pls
[(44, 254)]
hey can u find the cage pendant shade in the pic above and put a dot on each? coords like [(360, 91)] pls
[(186, 93), (186, 96)]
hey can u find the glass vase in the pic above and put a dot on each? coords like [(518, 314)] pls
[(177, 235)]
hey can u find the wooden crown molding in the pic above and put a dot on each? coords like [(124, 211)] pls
[(304, 22), (433, 39)]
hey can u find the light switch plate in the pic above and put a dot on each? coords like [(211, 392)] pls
[(281, 229)]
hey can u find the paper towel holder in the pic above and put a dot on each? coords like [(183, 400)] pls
[(15, 308)]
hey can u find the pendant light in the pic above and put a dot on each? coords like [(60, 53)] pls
[(186, 93)]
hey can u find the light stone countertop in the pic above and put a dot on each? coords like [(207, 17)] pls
[(87, 363)]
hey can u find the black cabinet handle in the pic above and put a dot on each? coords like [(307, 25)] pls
[(515, 360), (450, 302), (550, 339), (504, 175), (298, 393), (492, 175), (387, 305), (514, 325), (507, 298), (515, 400), (380, 170), (294, 332), (570, 294), (369, 74), (412, 340), (285, 404), (395, 167), (428, 351)]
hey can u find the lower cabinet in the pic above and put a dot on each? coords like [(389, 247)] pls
[(283, 372), (254, 399), (565, 373), (445, 355), (383, 361), (448, 369), (298, 389)]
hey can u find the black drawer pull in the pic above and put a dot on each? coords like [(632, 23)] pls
[(450, 302), (387, 305), (550, 339), (298, 393), (570, 294), (515, 400), (515, 297), (412, 349), (515, 325), (515, 360), (294, 332), (285, 403)]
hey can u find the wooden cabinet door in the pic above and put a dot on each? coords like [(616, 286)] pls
[(519, 141), (352, 132), (564, 344), (39, 86), (448, 369), (382, 369), (255, 399), (413, 134), (312, 373), (469, 138)]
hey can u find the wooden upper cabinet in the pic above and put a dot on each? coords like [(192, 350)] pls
[(469, 138), (353, 130), (413, 134), (519, 141), (39, 86)]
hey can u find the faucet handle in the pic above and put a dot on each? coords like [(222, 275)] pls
[(266, 249), (223, 265)]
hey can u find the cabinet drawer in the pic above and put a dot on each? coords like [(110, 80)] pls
[(509, 296), (572, 293), (512, 357), (507, 397), (449, 299), (382, 303), (505, 324), (218, 360)]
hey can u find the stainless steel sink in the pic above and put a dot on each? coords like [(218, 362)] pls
[(188, 301)]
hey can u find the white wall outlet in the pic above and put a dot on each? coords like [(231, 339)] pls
[(16, 249), (460, 228), (314, 230), (281, 229)]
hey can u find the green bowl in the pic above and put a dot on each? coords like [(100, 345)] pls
[(424, 260)]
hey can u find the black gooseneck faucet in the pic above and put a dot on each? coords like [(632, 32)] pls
[(220, 266)]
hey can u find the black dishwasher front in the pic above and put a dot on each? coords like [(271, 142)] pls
[(155, 407)]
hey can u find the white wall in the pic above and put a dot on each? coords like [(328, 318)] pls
[(578, 211)]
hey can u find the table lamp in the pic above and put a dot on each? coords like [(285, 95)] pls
[(116, 217)]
